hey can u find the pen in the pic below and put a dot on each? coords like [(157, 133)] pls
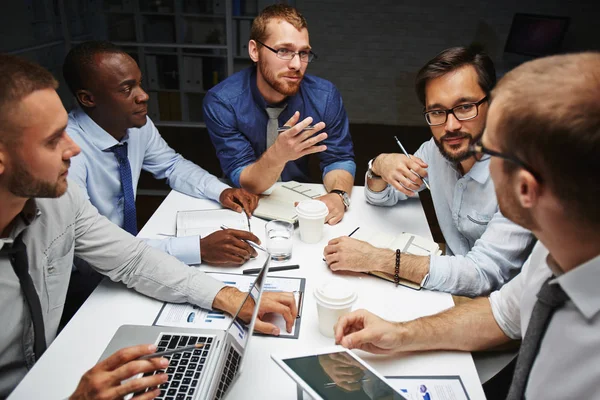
[(256, 246), (271, 269), (286, 127), (300, 302), (354, 231), (169, 352), (408, 155)]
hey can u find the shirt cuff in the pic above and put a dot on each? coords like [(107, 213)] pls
[(204, 289), (438, 273), (235, 176), (214, 189), (187, 249), (347, 165)]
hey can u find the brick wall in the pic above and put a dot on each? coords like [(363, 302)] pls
[(371, 50)]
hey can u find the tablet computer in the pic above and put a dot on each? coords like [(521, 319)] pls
[(336, 373)]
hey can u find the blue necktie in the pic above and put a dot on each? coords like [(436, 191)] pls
[(129, 215)]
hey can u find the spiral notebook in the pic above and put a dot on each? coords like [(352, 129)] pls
[(280, 203)]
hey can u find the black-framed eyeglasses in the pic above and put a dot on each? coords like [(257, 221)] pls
[(463, 112), (285, 54), (478, 149)]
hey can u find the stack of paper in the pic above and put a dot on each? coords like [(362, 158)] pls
[(205, 222), (280, 203)]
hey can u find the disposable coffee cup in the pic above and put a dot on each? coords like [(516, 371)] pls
[(311, 217), (334, 299)]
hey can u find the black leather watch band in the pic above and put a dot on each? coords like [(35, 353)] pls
[(344, 196)]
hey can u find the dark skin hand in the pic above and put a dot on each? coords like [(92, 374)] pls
[(239, 200), (105, 380), (227, 247)]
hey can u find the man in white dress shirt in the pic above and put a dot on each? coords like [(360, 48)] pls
[(484, 250), (543, 134)]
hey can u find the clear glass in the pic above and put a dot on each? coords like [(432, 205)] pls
[(279, 239)]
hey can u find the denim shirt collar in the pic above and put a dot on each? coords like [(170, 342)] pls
[(101, 139)]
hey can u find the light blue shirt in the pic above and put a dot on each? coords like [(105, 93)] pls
[(96, 170), (484, 250)]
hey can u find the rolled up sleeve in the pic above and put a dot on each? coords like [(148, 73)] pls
[(506, 307)]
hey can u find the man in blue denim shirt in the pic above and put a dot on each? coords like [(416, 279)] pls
[(237, 110), (484, 249)]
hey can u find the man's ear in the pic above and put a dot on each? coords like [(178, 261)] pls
[(528, 189), (85, 98), (253, 50)]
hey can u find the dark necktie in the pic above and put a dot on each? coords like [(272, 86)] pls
[(129, 214), (273, 125), (18, 258), (550, 298)]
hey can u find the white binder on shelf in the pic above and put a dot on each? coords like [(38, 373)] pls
[(152, 73)]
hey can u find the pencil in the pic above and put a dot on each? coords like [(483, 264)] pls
[(251, 243), (173, 351), (408, 155)]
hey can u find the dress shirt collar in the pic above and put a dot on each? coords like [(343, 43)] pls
[(480, 172), (581, 284), (29, 213), (101, 139)]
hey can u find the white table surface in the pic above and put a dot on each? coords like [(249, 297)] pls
[(83, 340)]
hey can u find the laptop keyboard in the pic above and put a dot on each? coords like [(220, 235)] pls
[(231, 367), (185, 368)]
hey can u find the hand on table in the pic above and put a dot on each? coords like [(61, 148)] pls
[(349, 254), (336, 207), (343, 370), (239, 200), (227, 247), (293, 144), (105, 380), (366, 331), (399, 171)]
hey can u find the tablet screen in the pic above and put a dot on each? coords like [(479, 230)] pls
[(340, 376)]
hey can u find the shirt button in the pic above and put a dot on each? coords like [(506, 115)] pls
[(51, 270), (460, 185)]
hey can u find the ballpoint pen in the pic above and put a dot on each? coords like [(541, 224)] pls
[(408, 155), (286, 127), (251, 243)]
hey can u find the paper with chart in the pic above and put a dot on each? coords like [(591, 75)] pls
[(429, 387), (204, 222), (190, 316)]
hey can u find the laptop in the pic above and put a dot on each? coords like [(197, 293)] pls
[(204, 373)]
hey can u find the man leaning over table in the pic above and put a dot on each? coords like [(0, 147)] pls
[(111, 117), (45, 222), (484, 250), (544, 139), (243, 112)]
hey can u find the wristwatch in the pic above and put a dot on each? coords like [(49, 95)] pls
[(344, 196), (370, 173)]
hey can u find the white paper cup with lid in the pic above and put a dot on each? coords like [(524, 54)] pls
[(335, 298), (311, 217)]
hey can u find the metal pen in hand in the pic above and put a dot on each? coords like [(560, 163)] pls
[(251, 243), (286, 127), (408, 155)]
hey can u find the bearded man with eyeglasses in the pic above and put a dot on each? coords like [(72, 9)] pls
[(484, 250)]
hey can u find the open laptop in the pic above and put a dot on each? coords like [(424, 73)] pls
[(205, 373)]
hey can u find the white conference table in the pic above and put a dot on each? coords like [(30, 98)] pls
[(83, 340)]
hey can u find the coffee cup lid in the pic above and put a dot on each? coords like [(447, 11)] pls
[(312, 209), (336, 293)]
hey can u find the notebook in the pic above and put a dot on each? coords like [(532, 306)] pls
[(204, 222), (205, 373), (406, 242), (280, 203)]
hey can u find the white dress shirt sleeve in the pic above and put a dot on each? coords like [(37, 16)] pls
[(494, 259), (186, 249), (182, 175), (506, 305), (124, 258)]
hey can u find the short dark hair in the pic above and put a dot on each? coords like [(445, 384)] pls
[(79, 62), (275, 11), (18, 78), (550, 119), (454, 58)]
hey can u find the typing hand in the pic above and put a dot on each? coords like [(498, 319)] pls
[(349, 254), (401, 171), (105, 380), (238, 200), (366, 331), (293, 143), (227, 247)]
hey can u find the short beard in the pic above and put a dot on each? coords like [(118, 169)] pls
[(462, 156), (22, 184), (286, 89)]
